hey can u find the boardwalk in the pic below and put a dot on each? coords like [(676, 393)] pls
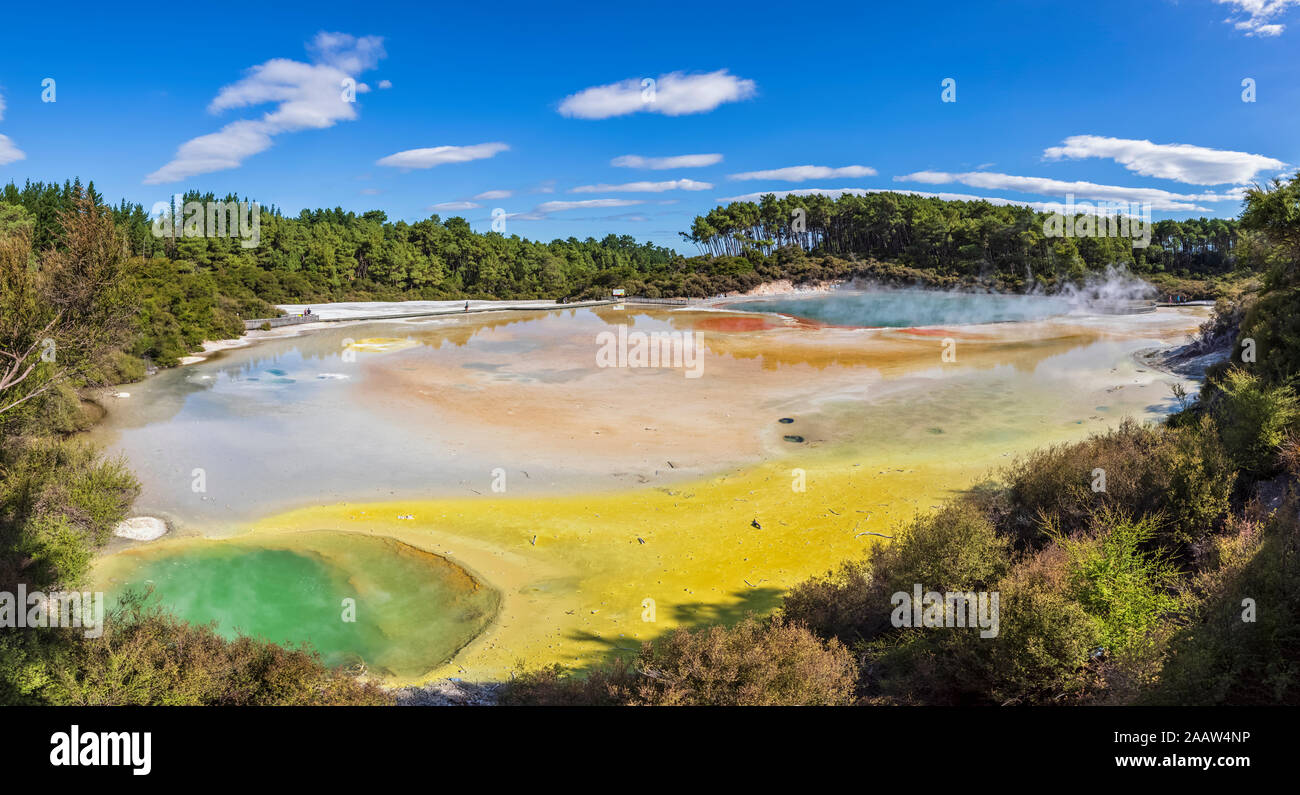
[(355, 312)]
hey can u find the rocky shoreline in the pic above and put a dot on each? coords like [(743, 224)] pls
[(1209, 346), (448, 693)]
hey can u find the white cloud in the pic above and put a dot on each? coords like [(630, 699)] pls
[(561, 206), (1256, 17), (309, 97), (645, 187), (9, 152), (1158, 199), (1194, 165), (488, 195), (673, 94), (347, 53), (801, 173), (661, 163), (438, 155), (455, 206), (385, 83)]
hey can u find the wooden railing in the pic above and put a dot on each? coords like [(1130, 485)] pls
[(276, 322), (641, 299)]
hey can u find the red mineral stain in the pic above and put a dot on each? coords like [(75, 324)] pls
[(737, 323), (943, 332), (928, 332)]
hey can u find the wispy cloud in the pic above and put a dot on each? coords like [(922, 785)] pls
[(488, 195), (1257, 17), (445, 206), (632, 217), (543, 211), (9, 151), (308, 96), (645, 187), (1158, 199), (438, 155), (673, 94), (561, 206), (802, 173), (662, 163), (1194, 165)]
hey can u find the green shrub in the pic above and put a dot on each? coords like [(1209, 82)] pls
[(1128, 591), (1038, 656), (1220, 657), (1182, 474), (956, 549), (1254, 419), (1272, 322), (148, 657), (58, 502), (1201, 479), (1045, 636)]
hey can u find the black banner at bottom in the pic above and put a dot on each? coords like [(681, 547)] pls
[(1034, 746)]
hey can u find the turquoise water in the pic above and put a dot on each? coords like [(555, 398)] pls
[(408, 610), (907, 308)]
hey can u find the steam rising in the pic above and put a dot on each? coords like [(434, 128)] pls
[(1113, 291)]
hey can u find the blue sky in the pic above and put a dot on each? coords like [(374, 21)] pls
[(1114, 101)]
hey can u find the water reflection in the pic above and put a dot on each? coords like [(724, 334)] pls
[(432, 407)]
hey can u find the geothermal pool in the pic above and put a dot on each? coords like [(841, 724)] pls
[(907, 308), (354, 598), (589, 507)]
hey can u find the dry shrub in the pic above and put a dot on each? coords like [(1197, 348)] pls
[(1288, 455), (148, 657), (757, 662)]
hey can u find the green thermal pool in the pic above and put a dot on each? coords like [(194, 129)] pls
[(413, 610)]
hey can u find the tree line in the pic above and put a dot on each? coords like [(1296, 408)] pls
[(332, 254), (192, 288), (975, 238)]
